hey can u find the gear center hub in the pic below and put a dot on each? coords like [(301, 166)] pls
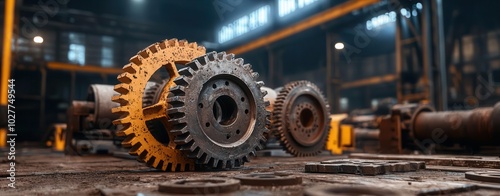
[(232, 119), (225, 110)]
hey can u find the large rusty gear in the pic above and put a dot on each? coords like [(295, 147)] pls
[(218, 111), (300, 118), (154, 152)]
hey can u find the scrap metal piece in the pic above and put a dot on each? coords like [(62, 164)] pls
[(200, 186), (301, 118), (363, 167), (484, 176), (269, 179), (326, 190), (134, 117), (218, 111)]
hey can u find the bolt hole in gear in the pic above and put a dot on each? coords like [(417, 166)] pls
[(301, 118), (218, 111), (140, 114)]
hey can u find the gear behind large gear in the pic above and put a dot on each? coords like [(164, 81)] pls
[(301, 118), (218, 111), (160, 153)]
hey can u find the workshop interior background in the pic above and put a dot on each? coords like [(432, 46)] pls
[(368, 58)]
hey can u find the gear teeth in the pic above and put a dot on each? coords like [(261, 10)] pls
[(153, 48), (144, 54), (178, 90), (183, 139), (215, 162), (186, 71), (223, 164), (122, 88), (183, 42), (119, 99), (264, 93), (202, 48), (173, 43), (181, 80), (255, 75), (221, 56), (260, 84), (130, 68), (239, 61), (136, 150), (230, 56), (193, 45), (204, 159), (179, 128), (136, 60), (247, 67), (122, 121), (125, 132), (125, 77), (130, 141), (195, 64), (178, 121), (176, 101), (211, 56), (121, 109)]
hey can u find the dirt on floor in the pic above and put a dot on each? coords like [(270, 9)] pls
[(43, 172)]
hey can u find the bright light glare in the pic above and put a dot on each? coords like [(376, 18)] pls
[(339, 46), (419, 6), (38, 39), (381, 20), (245, 24), (138, 1)]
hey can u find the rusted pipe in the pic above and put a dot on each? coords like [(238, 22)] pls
[(480, 126)]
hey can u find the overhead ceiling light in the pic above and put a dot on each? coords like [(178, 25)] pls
[(38, 39), (339, 46)]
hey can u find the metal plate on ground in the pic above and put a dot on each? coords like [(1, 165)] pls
[(269, 179), (200, 186), (325, 190), (485, 176), (363, 167)]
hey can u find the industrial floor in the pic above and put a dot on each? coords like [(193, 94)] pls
[(43, 172)]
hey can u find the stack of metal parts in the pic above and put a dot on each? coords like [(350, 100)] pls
[(363, 167)]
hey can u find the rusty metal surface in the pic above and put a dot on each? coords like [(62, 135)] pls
[(41, 172), (269, 179), (218, 111), (134, 79), (326, 190), (200, 186), (363, 167), (101, 95), (484, 176), (301, 118), (474, 127), (443, 160)]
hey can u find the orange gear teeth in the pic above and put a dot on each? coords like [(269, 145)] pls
[(133, 80)]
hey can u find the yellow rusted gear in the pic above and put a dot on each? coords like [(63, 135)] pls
[(133, 80)]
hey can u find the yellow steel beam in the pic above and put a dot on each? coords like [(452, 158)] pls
[(318, 19), (86, 68), (370, 81), (6, 60)]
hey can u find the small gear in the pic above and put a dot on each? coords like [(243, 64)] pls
[(160, 153), (218, 111), (300, 118)]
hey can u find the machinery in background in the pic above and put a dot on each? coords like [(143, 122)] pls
[(412, 127), (89, 127), (299, 118)]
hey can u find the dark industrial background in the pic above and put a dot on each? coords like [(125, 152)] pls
[(447, 55)]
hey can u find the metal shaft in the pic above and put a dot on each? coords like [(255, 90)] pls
[(478, 126)]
